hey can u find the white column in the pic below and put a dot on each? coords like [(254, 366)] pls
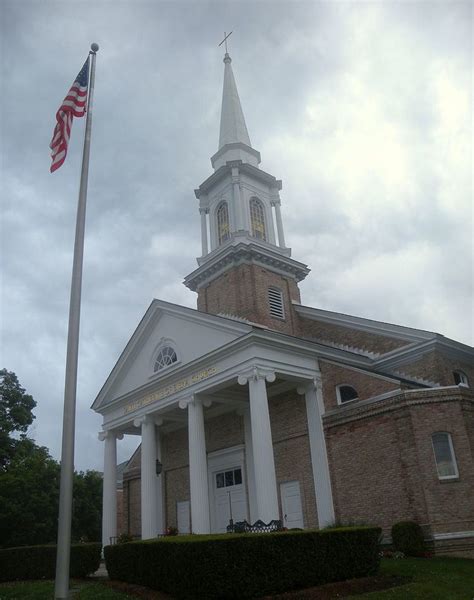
[(264, 462), (237, 202), (279, 223), (205, 248), (249, 463), (160, 488), (109, 489), (200, 521), (319, 459), (149, 484)]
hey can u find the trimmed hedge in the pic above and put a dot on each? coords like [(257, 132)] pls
[(39, 562), (407, 537), (245, 565)]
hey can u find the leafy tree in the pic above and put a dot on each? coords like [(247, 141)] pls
[(29, 496), (87, 506), (16, 414), (29, 479)]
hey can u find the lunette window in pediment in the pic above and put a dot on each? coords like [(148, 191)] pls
[(165, 356)]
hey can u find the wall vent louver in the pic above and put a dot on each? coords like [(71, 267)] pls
[(275, 300)]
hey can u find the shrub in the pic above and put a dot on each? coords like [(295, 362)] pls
[(39, 562), (245, 565), (407, 537)]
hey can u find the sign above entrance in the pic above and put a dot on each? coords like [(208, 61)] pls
[(170, 389)]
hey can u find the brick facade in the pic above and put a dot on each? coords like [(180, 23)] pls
[(243, 291), (437, 367), (355, 338), (382, 461), (367, 385)]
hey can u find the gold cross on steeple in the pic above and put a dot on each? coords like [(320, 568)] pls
[(225, 40)]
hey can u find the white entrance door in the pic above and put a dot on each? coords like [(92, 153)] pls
[(229, 498), (182, 509), (291, 504)]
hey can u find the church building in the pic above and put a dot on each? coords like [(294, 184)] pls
[(256, 406)]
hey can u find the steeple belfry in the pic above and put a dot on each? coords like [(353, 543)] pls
[(233, 128)]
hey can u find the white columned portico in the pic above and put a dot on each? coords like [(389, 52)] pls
[(319, 459), (109, 489), (264, 462), (149, 482), (200, 518)]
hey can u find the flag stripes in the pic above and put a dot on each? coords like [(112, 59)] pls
[(73, 105)]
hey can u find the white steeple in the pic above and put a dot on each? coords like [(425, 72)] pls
[(233, 127), (239, 204), (234, 140)]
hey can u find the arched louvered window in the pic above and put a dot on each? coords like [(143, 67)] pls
[(346, 393), (257, 219), (223, 229), (166, 356), (444, 455)]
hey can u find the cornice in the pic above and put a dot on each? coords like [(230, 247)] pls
[(245, 168), (235, 146), (248, 252), (393, 401), (412, 353)]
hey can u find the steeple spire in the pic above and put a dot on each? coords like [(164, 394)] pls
[(233, 128), (234, 140)]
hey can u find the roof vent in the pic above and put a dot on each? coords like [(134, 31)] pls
[(275, 300)]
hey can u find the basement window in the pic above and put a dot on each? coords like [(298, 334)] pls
[(346, 393), (275, 301), (444, 455), (460, 378)]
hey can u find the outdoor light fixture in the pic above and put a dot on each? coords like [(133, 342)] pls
[(158, 467)]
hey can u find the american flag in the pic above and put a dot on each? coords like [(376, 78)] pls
[(73, 105)]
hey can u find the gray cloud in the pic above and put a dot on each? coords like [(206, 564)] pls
[(362, 109)]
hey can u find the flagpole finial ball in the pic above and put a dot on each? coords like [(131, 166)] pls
[(94, 47)]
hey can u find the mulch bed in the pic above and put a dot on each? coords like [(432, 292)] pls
[(341, 589)]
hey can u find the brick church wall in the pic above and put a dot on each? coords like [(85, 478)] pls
[(338, 334), (450, 505), (366, 385), (383, 468), (368, 478), (243, 291), (291, 450), (434, 366)]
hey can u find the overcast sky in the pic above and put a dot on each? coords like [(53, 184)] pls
[(363, 109)]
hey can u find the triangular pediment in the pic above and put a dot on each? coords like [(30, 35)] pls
[(191, 334)]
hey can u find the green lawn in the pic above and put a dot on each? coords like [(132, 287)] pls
[(44, 590), (433, 579)]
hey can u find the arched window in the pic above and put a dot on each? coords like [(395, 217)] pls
[(223, 229), (257, 219), (444, 455), (275, 301), (460, 378), (346, 393), (166, 356)]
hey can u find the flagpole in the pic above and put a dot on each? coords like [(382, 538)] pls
[(63, 555)]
